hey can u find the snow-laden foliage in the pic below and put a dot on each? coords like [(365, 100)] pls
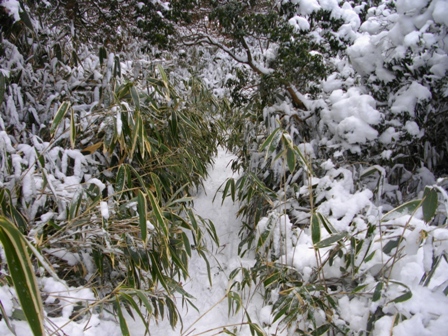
[(336, 111), (344, 207), (100, 152)]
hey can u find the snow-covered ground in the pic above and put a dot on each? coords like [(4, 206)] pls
[(211, 301)]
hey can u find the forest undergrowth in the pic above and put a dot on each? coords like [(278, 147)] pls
[(336, 113)]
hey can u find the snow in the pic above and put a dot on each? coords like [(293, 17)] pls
[(299, 23), (440, 12), (12, 8), (408, 98), (209, 299), (104, 210)]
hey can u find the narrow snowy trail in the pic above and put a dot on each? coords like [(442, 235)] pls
[(210, 300)]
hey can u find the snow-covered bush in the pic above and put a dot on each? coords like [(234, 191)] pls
[(341, 201)]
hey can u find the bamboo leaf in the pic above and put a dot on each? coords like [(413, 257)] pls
[(158, 213), (142, 215), (186, 242), (430, 203), (331, 239), (72, 128), (22, 275), (269, 139), (210, 227), (321, 330), (117, 67), (391, 244), (290, 159), (123, 324), (200, 252), (272, 279), (357, 289), (120, 180), (135, 97), (263, 238), (377, 292), (103, 55), (404, 297), (135, 306), (2, 87), (173, 124), (155, 270), (255, 329), (404, 209), (59, 115), (315, 229), (136, 134), (143, 298), (326, 224)]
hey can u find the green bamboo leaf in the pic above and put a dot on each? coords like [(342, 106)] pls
[(404, 297), (230, 185), (22, 275), (331, 239), (157, 274), (404, 209), (142, 215), (117, 67), (173, 315), (357, 289), (234, 303), (24, 17), (321, 330), (136, 307), (326, 224), (143, 298), (369, 257), (209, 273), (72, 128), (390, 245), (120, 180), (59, 115), (18, 218), (290, 159), (157, 184), (103, 55), (2, 87), (178, 262), (377, 292), (158, 213), (165, 79), (430, 203), (272, 279), (135, 97), (173, 124), (123, 324), (315, 228), (255, 329), (263, 237), (186, 242), (211, 230), (142, 137), (270, 139)]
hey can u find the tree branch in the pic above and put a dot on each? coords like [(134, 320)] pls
[(297, 100)]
